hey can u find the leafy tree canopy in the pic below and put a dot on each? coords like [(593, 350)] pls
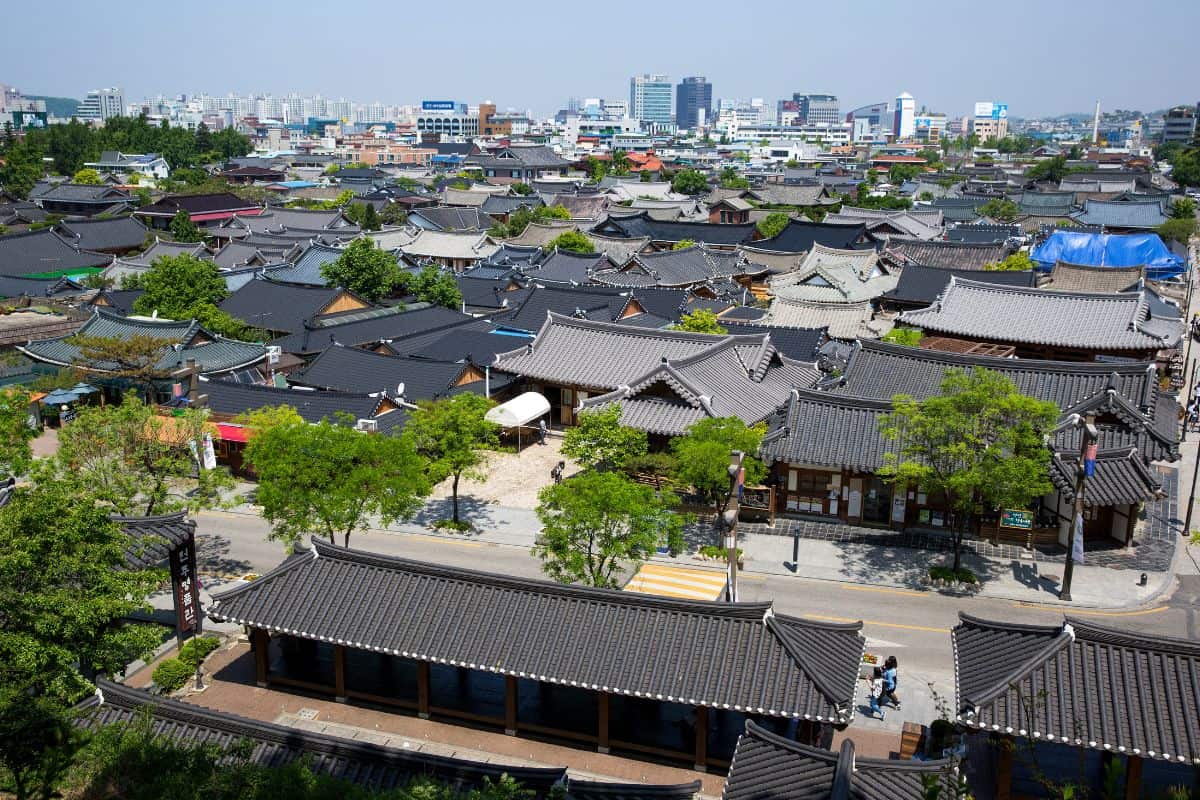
[(597, 525), (15, 432), (434, 286), (910, 337), (1178, 230), (772, 224), (683, 244), (1016, 261), (702, 320), (87, 176), (702, 455), (1000, 208), (601, 442), (1183, 208), (689, 181), (183, 229), (364, 269), (574, 241), (452, 435)]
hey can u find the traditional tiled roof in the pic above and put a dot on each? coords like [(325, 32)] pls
[(755, 660), (1125, 214), (582, 208), (230, 399), (373, 325), (787, 195), (952, 255), (451, 218), (35, 287), (602, 355), (642, 225), (920, 285), (800, 344), (1034, 316), (800, 235), (151, 539), (444, 244), (982, 233), (352, 369), (539, 234), (534, 157), (776, 263), (844, 320), (277, 220), (470, 197), (1082, 278), (881, 370), (77, 193), (1047, 204), (1080, 684), (164, 247), (187, 340), (564, 266), (619, 251), (1121, 477), (307, 268), (831, 430), (281, 307), (194, 204), (767, 766), (834, 276), (107, 235), (374, 766), (924, 225), (731, 378), (44, 251), (677, 268), (602, 303), (499, 205)]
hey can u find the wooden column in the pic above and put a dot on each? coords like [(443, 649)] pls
[(602, 722), (262, 656), (1004, 767), (423, 689), (701, 761), (339, 673), (1133, 777), (510, 705)]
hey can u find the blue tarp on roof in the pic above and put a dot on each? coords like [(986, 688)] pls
[(1110, 250)]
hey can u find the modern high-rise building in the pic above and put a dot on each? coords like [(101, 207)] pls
[(1179, 124), (904, 124), (101, 104), (693, 102), (650, 98), (814, 109)]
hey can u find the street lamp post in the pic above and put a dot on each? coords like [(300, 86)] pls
[(1086, 463), (729, 519)]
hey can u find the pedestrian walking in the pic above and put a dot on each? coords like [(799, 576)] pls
[(875, 691), (556, 474), (542, 432), (891, 679)]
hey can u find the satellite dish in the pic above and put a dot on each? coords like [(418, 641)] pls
[(400, 389)]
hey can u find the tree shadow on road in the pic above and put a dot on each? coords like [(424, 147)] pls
[(212, 556), (479, 514)]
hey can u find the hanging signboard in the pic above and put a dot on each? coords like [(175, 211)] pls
[(187, 590), (1016, 518)]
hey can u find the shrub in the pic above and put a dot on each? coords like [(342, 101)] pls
[(910, 337), (963, 575), (715, 552), (195, 650), (172, 674)]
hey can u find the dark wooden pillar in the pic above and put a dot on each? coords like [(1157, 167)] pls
[(1133, 777), (510, 705), (339, 673), (701, 762), (423, 689), (602, 722), (1004, 767), (262, 656)]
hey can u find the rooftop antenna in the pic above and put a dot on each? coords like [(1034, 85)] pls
[(1096, 126)]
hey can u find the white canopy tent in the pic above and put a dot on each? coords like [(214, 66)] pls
[(519, 412)]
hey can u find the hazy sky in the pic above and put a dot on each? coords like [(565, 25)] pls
[(1040, 57)]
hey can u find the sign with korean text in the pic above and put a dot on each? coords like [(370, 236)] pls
[(1016, 518), (186, 587), (438, 105)]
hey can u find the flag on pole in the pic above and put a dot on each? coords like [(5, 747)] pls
[(1089, 459)]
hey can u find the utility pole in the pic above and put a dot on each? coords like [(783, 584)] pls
[(1085, 466), (729, 520)]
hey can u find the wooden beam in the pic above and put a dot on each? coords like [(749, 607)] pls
[(1133, 777), (1004, 768), (339, 673), (701, 761), (423, 689), (510, 705), (262, 656), (602, 742)]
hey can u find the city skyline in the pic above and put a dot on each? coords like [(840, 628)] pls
[(855, 66)]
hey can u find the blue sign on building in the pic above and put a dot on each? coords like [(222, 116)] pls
[(438, 105)]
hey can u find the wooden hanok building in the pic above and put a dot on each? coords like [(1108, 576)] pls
[(373, 766), (1069, 702), (605, 669)]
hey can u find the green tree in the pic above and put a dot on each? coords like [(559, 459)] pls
[(453, 436), (175, 285), (331, 479), (925, 197), (683, 244), (702, 455), (899, 173), (772, 224), (521, 188), (1000, 208), (521, 218), (204, 139), (21, 170), (978, 443), (597, 525), (137, 461), (364, 215), (1178, 230), (702, 320), (910, 337), (601, 442), (930, 154), (87, 177), (689, 181), (393, 214), (1048, 169), (1185, 168), (435, 286), (1183, 208), (872, 176), (135, 358), (183, 229), (732, 179), (15, 431), (573, 241), (364, 269), (1016, 261), (620, 162)]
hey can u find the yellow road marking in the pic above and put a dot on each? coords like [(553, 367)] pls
[(879, 624), (423, 536), (882, 590), (1086, 613)]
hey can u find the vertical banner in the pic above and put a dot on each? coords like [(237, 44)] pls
[(186, 587), (1077, 540), (210, 455)]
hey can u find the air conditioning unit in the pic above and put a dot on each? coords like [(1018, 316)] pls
[(367, 425), (274, 351)]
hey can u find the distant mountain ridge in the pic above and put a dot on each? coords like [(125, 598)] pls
[(58, 106)]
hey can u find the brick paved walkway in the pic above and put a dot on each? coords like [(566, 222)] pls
[(1153, 550)]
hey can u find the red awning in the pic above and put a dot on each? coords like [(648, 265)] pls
[(232, 433), (210, 216)]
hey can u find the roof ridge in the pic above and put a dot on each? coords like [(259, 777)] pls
[(1114, 636), (1061, 639), (776, 625)]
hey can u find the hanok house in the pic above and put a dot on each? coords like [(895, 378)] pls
[(1071, 326), (118, 235), (574, 663), (183, 343), (699, 267), (1074, 704), (826, 447), (376, 767), (830, 275), (45, 254), (206, 210), (282, 308), (518, 164), (729, 211), (77, 199), (766, 765), (919, 286)]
